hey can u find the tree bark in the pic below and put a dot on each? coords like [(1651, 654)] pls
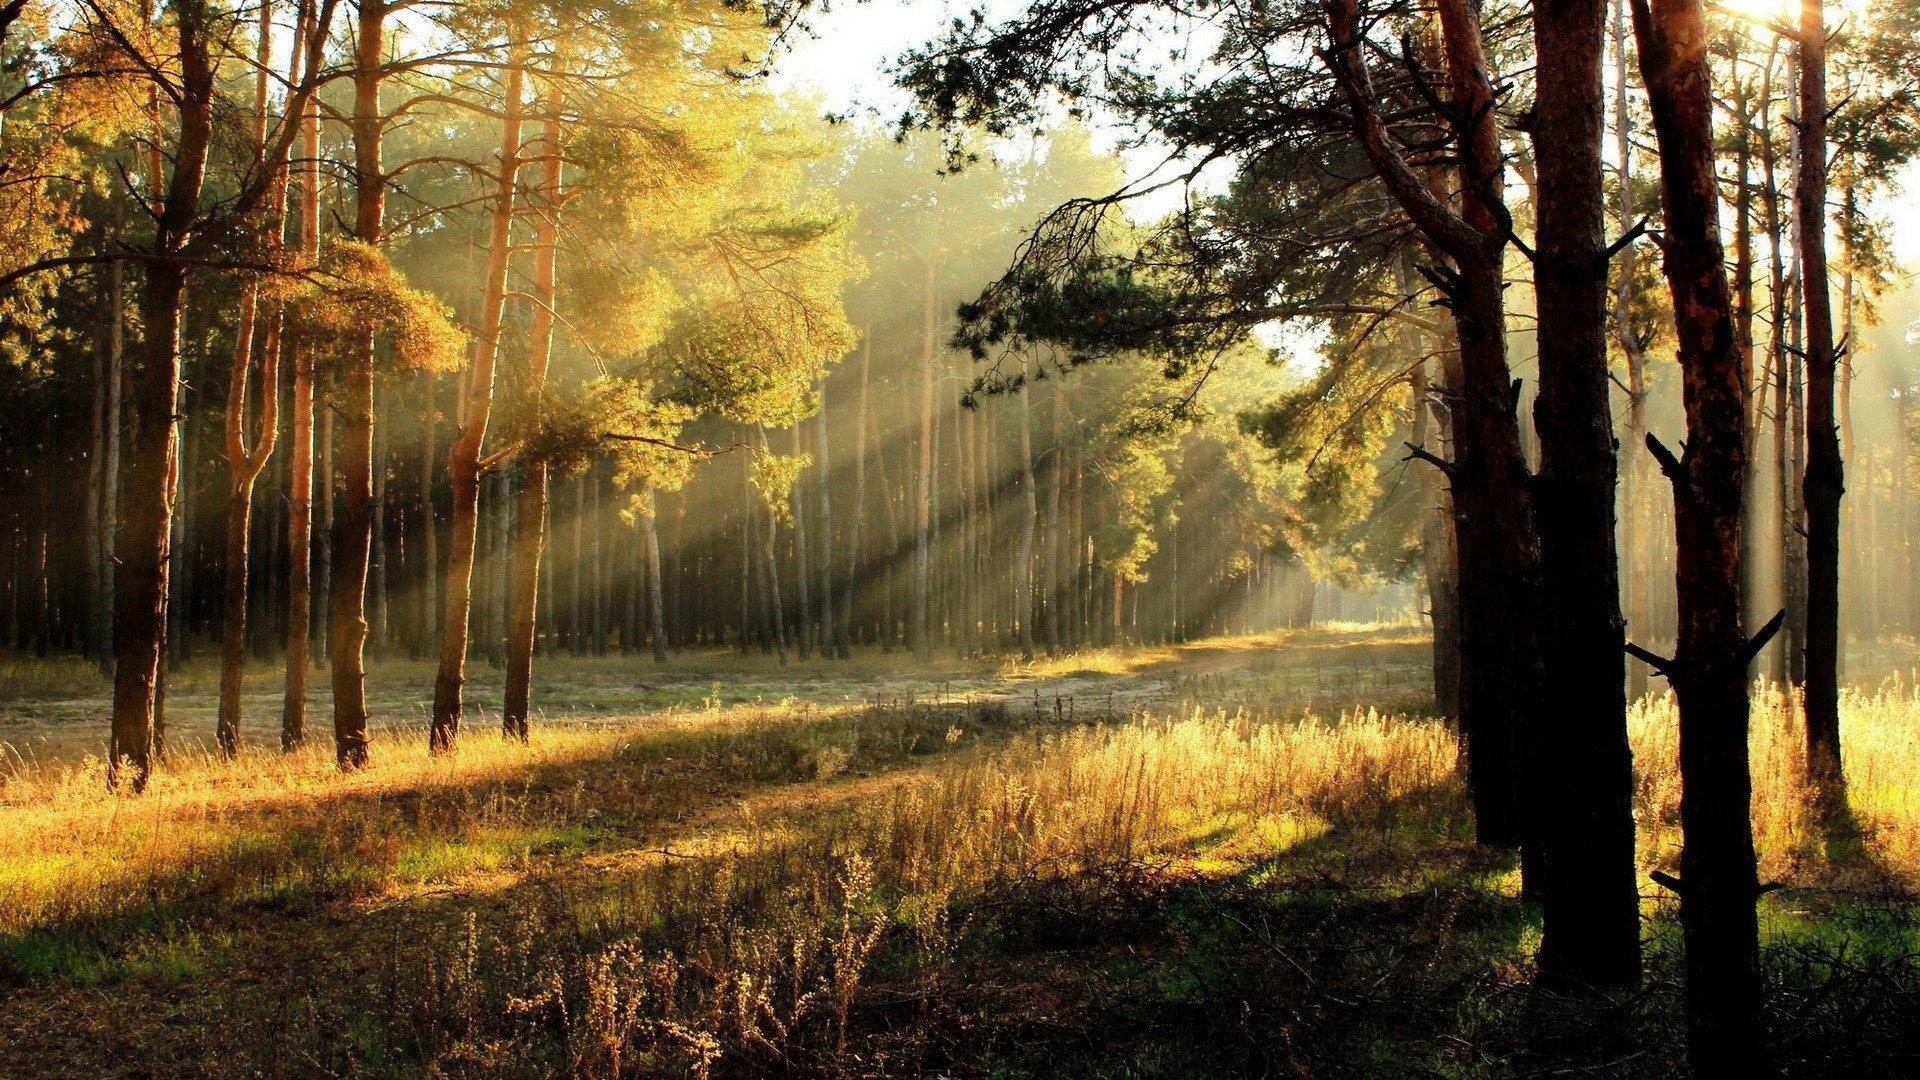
[(832, 641), (1718, 874), (1496, 539), (293, 711), (1029, 522), (656, 604), (352, 543), (143, 536), (923, 483), (1824, 483), (463, 459), (1633, 478), (802, 565), (856, 520), (1591, 906), (245, 463), (530, 519)]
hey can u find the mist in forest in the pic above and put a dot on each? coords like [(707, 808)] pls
[(751, 538)]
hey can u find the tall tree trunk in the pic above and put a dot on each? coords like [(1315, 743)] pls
[(1591, 906), (142, 541), (1056, 479), (293, 711), (857, 517), (832, 641), (1499, 558), (353, 524), (770, 571), (1777, 364), (923, 482), (530, 519), (102, 601), (1719, 881), (1029, 521), (464, 469), (244, 462), (1743, 311), (1824, 483), (1633, 478), (802, 565), (656, 605), (1853, 576)]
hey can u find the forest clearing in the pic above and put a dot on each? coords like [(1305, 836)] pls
[(1190, 861), (960, 538)]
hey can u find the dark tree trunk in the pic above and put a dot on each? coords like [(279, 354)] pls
[(1824, 483), (142, 547), (1591, 907), (1718, 875), (1496, 541)]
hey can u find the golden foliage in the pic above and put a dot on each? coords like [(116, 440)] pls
[(356, 289)]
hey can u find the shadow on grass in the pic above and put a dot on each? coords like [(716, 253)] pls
[(289, 856)]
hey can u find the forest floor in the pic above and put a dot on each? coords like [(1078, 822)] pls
[(1243, 856)]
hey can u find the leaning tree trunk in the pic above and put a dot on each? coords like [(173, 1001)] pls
[(1590, 903), (530, 517), (1719, 882), (1824, 482), (464, 468)]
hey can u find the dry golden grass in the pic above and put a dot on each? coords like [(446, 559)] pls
[(1085, 795), (724, 872), (1878, 729)]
